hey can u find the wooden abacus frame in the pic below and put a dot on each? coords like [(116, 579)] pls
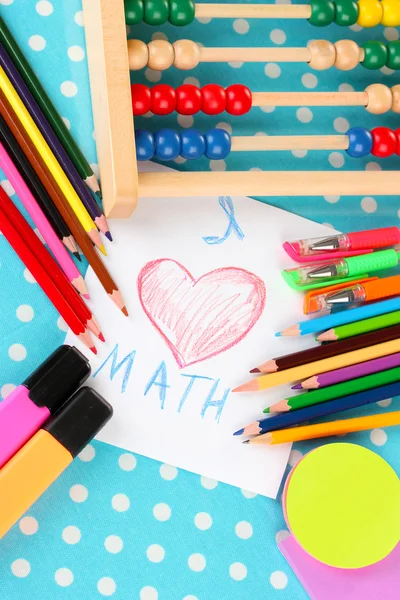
[(112, 110)]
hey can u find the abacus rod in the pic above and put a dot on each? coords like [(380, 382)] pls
[(253, 11), (292, 55), (309, 98), (262, 143)]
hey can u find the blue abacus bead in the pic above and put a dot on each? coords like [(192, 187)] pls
[(145, 146), (218, 144), (193, 144), (168, 144), (360, 142)]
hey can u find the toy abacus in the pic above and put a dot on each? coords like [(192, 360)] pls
[(115, 101)]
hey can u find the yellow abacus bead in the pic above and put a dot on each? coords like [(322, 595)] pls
[(396, 99), (322, 54), (187, 54), (380, 99), (391, 13), (138, 55), (347, 55), (369, 13), (161, 55)]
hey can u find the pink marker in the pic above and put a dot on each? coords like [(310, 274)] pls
[(25, 410)]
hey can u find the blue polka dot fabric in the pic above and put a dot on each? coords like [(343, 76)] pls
[(127, 527)]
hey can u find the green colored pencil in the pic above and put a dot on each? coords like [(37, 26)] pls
[(358, 327), (338, 390), (41, 97)]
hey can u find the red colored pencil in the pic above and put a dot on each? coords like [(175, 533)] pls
[(48, 285)]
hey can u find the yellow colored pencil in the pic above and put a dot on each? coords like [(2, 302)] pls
[(311, 432), (319, 366), (50, 160)]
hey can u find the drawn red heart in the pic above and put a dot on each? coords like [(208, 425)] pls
[(200, 318)]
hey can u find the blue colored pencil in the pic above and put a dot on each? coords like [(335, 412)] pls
[(342, 318), (323, 409)]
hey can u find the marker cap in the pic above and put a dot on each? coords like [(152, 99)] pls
[(59, 376), (76, 423)]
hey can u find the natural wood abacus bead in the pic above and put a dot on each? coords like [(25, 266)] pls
[(187, 54), (396, 98), (347, 55), (161, 55), (380, 99), (138, 55), (322, 54)]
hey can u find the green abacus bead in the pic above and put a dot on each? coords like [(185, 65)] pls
[(346, 12), (322, 12), (133, 12), (375, 55), (393, 60), (181, 12), (156, 12)]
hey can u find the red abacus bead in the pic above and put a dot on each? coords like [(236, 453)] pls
[(188, 99), (214, 99), (397, 134), (163, 99), (384, 142), (141, 99), (238, 99)]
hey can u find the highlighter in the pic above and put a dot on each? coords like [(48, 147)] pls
[(25, 410), (48, 453)]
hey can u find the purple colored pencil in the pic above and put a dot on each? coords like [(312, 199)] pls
[(54, 143), (352, 372)]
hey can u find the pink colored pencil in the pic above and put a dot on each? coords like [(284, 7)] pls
[(41, 222)]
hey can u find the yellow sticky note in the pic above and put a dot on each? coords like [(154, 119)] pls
[(342, 504)]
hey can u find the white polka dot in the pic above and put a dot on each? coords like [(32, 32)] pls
[(64, 577), (282, 535), (244, 530), (120, 502), (39, 235), (87, 454), (78, 493), (272, 70), (185, 120), (168, 472), (208, 483), (398, 213), (79, 18), (373, 166), (241, 26), (238, 571), (20, 567), (278, 580), (309, 80), (6, 389), (203, 521), (29, 277), (61, 324), (67, 122), (267, 109), (148, 593), (7, 187), (247, 494), (153, 76), (28, 525), (294, 457), (235, 64), (299, 153), (155, 553), (378, 437), (197, 562), (336, 159), (226, 126), (162, 511), (385, 403), (113, 544), (191, 81), (345, 87), (106, 586), (356, 27), (328, 225), (304, 114), (17, 352), (6, 2), (69, 89), (332, 199), (159, 35), (44, 8), (387, 71), (127, 462), (283, 2), (204, 20), (190, 597), (76, 53), (278, 36), (341, 125), (71, 534), (25, 313), (391, 33), (368, 204), (37, 42), (217, 165), (179, 160)]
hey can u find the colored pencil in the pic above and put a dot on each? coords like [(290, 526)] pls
[(38, 217), (38, 191), (319, 366), (327, 350), (40, 274), (342, 318), (46, 178), (338, 390), (50, 160), (48, 108), (347, 373), (54, 143), (319, 430), (345, 331), (288, 419)]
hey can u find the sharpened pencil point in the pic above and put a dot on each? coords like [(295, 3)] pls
[(77, 256), (101, 337), (108, 236), (102, 250), (256, 370), (86, 296), (125, 312), (278, 334), (239, 431), (93, 349), (246, 442), (298, 386), (99, 195), (266, 410)]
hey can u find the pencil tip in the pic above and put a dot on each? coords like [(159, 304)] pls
[(255, 370), (246, 442), (99, 195), (93, 349), (77, 256), (266, 410), (108, 236), (124, 310), (86, 296), (278, 334), (101, 337), (102, 250), (239, 431), (298, 386)]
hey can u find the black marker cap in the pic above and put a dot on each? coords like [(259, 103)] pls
[(76, 423), (59, 376)]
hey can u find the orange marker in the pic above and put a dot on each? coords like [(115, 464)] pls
[(48, 453), (367, 292), (315, 300)]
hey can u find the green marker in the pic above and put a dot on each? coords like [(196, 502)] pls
[(351, 267)]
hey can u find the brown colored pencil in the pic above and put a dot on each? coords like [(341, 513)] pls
[(67, 213), (327, 350)]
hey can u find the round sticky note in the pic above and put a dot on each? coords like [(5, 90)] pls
[(342, 504)]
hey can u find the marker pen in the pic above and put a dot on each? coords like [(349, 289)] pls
[(48, 453), (25, 410)]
